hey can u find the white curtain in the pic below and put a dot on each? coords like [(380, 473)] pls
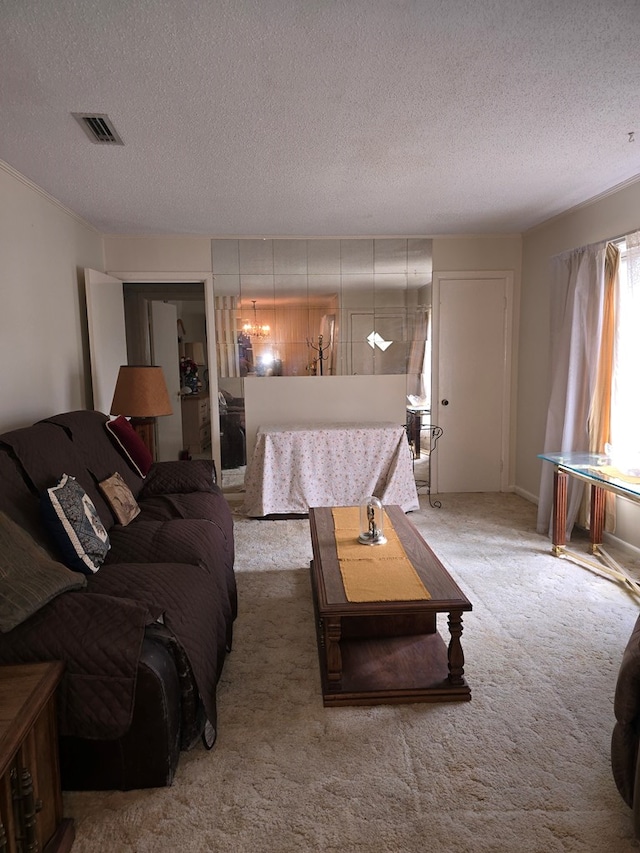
[(625, 407), (415, 367), (577, 300)]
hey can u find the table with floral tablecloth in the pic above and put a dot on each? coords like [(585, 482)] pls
[(295, 467)]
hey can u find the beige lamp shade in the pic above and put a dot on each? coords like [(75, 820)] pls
[(141, 392)]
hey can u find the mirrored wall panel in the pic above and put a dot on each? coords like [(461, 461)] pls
[(323, 308)]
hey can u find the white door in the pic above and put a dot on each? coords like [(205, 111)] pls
[(472, 375), (164, 352), (107, 336)]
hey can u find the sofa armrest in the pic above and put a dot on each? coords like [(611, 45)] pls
[(178, 478), (98, 638), (626, 704), (146, 755), (625, 738)]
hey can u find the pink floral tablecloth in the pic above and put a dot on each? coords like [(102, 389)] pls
[(295, 467)]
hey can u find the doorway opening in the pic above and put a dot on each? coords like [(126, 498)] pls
[(166, 324)]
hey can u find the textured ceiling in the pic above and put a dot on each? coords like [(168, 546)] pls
[(322, 117)]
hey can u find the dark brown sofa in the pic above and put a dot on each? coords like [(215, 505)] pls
[(144, 642)]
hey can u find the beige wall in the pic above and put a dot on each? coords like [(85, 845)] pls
[(166, 255), (44, 363), (43, 340), (162, 256), (157, 254), (478, 253), (336, 399), (612, 216)]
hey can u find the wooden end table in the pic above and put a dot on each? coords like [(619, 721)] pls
[(386, 651), (31, 816)]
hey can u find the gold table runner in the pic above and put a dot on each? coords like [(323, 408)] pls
[(374, 572)]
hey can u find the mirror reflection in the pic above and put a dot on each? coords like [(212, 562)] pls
[(321, 307)]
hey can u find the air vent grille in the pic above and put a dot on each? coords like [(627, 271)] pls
[(99, 128)]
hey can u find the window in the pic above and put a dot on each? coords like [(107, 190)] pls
[(625, 387)]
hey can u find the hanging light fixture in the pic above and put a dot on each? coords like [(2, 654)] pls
[(255, 330)]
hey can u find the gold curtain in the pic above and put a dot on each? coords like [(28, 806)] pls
[(599, 424)]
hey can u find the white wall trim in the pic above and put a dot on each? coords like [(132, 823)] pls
[(583, 204), (627, 547), (526, 495)]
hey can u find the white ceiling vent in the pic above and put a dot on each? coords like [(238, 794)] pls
[(99, 128)]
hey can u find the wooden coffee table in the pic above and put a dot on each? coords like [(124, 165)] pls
[(386, 651)]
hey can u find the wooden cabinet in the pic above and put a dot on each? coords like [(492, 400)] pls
[(196, 423), (30, 796)]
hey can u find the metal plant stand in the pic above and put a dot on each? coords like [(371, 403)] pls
[(434, 432)]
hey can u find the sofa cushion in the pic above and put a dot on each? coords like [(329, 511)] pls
[(44, 451), (179, 478), (71, 516), (133, 447), (120, 498), (180, 540), (100, 451), (29, 578)]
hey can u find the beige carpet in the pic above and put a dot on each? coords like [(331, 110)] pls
[(523, 767)]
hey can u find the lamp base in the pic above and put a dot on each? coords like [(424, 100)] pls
[(146, 430), (372, 539)]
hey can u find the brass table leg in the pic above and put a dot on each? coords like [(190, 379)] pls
[(560, 479)]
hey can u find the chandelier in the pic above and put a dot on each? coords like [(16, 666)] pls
[(255, 330)]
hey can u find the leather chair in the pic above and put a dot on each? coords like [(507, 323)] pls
[(232, 431)]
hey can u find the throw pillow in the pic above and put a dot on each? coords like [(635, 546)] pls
[(120, 498), (135, 450), (72, 519), (179, 478), (29, 578)]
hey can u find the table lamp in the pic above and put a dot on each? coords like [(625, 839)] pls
[(141, 394)]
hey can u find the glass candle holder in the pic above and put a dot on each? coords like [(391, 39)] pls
[(371, 522)]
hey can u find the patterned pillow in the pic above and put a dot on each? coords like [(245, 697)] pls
[(72, 519), (29, 578), (120, 498), (132, 446)]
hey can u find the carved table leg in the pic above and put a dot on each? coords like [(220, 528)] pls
[(333, 632), (456, 655)]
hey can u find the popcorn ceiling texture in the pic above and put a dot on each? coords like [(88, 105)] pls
[(522, 768), (351, 118)]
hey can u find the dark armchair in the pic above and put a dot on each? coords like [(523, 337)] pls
[(626, 733), (232, 430)]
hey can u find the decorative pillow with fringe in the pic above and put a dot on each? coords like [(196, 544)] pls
[(73, 521)]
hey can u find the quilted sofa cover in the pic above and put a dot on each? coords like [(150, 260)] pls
[(171, 566)]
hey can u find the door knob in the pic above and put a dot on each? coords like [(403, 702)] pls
[(444, 402)]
